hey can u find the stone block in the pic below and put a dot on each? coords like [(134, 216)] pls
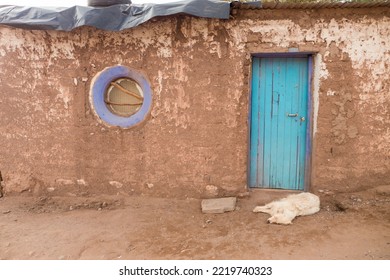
[(218, 205)]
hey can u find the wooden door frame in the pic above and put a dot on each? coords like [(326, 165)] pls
[(309, 128)]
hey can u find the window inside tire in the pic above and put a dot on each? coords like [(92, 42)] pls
[(124, 97)]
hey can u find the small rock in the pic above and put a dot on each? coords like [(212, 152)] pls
[(81, 182), (70, 208), (61, 257), (149, 185), (7, 212), (244, 194), (99, 209), (212, 190), (71, 194), (51, 189), (320, 191), (116, 184), (75, 81), (341, 206), (64, 182), (84, 79)]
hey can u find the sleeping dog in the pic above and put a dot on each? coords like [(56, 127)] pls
[(283, 211)]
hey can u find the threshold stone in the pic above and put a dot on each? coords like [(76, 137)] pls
[(218, 205)]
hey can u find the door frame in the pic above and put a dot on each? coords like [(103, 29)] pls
[(309, 128)]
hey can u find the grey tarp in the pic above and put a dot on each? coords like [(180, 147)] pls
[(114, 18)]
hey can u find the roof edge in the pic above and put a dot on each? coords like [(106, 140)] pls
[(257, 5)]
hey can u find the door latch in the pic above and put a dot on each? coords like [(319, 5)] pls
[(292, 115)]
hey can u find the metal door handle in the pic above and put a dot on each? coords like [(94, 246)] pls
[(292, 115)]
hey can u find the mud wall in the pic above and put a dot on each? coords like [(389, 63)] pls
[(197, 132)]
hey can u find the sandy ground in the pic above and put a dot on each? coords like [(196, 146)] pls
[(349, 226)]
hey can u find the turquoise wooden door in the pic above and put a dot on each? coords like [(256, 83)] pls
[(279, 107)]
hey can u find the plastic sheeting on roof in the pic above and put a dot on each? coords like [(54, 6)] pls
[(311, 5), (114, 18)]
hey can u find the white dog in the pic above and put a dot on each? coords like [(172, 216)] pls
[(283, 211)]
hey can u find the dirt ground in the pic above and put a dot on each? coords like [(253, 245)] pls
[(349, 226)]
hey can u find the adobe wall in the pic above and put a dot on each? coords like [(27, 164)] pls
[(197, 132)]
